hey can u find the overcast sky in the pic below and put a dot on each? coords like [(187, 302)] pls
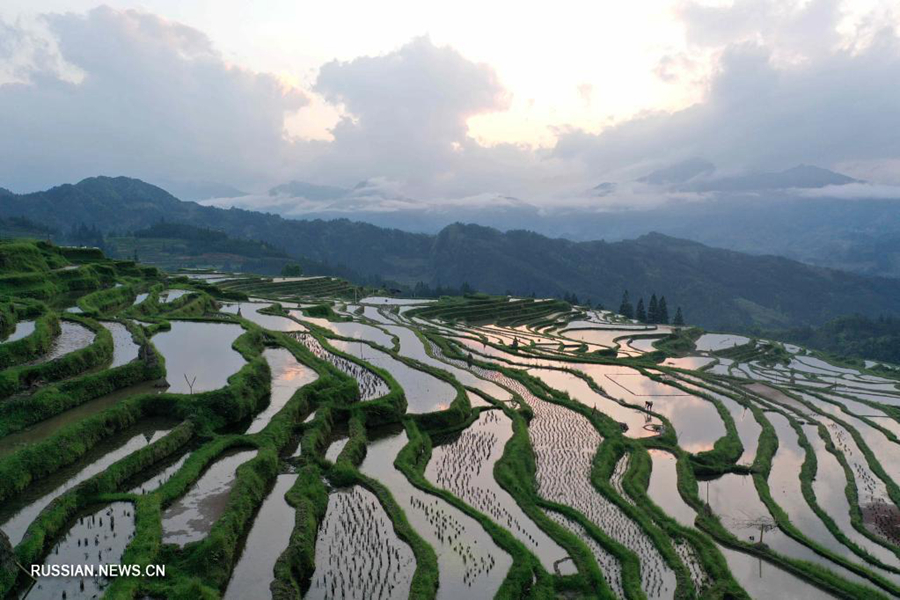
[(444, 101)]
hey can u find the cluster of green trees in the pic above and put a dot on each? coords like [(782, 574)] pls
[(572, 299), (657, 312), (292, 270), (83, 235), (180, 231)]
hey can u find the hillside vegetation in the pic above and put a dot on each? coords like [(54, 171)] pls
[(718, 288), (853, 336)]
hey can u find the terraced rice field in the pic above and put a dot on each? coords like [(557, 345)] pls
[(277, 438)]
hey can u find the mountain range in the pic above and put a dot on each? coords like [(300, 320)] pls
[(716, 287), (807, 213)]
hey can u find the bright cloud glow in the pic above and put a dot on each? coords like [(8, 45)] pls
[(528, 100)]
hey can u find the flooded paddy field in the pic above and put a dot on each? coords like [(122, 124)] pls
[(375, 314), (288, 375), (370, 384), (472, 376), (46, 428), (745, 422), (692, 363), (199, 356), (17, 514), (486, 353), (637, 424), (169, 296), (124, 348), (761, 579), (140, 298), (424, 392), (696, 420), (383, 301), (563, 369), (464, 464), (191, 517), (663, 488), (758, 577), (72, 337), (358, 555), (412, 347), (469, 561), (97, 538), (609, 565), (266, 541), (361, 331), (565, 443), (22, 329), (734, 499), (250, 311), (785, 488), (829, 486), (713, 342), (150, 480)]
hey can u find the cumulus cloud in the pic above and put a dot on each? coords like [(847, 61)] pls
[(154, 99), (790, 28), (128, 92), (406, 114), (833, 104)]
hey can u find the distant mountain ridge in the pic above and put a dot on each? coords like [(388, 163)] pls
[(799, 177), (716, 287), (757, 213), (679, 172), (200, 190)]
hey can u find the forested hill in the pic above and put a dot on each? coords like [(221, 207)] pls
[(716, 288), (124, 204)]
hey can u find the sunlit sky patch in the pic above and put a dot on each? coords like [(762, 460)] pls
[(576, 64)]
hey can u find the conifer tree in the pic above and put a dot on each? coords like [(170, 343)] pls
[(679, 319), (662, 312), (626, 309), (652, 310), (641, 314)]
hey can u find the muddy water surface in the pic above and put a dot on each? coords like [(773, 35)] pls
[(23, 329)]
